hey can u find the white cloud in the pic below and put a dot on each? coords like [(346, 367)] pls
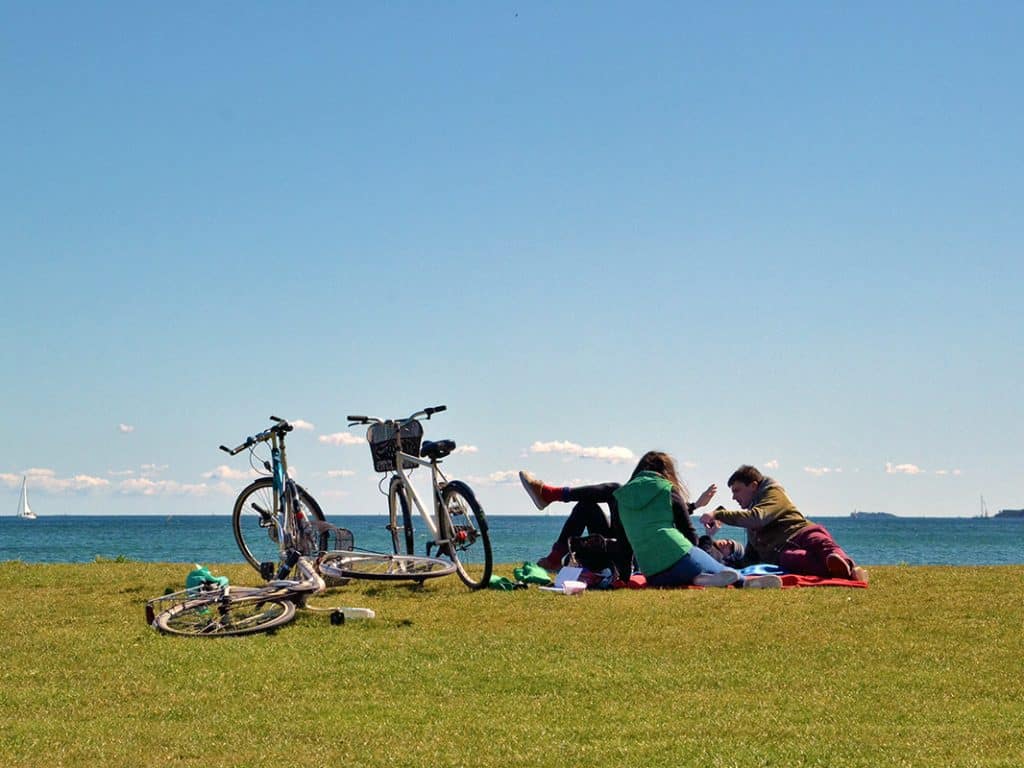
[(125, 428), (120, 472), (333, 494), (46, 480), (224, 472), (689, 464), (819, 471), (141, 486), (615, 454), (501, 477), (954, 472), (340, 473), (902, 469), (342, 438), (302, 424), (466, 449), (773, 464), (152, 469)]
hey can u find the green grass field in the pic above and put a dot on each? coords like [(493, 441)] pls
[(926, 668)]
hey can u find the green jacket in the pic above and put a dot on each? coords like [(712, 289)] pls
[(771, 521), (645, 509)]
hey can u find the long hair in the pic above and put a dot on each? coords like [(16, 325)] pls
[(663, 464)]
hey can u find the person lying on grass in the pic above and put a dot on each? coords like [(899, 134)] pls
[(777, 532), (650, 517)]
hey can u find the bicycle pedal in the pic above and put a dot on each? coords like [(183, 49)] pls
[(267, 570)]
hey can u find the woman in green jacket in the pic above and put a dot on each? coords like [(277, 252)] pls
[(663, 554)]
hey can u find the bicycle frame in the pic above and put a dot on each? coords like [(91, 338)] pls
[(435, 473), (285, 492)]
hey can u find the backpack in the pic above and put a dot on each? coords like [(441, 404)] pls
[(594, 552)]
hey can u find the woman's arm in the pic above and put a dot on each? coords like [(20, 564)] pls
[(681, 516)]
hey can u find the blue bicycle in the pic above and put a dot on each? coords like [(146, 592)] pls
[(277, 524)]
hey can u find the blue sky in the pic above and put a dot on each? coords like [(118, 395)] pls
[(785, 234)]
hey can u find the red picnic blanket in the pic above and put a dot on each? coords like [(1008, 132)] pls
[(789, 581)]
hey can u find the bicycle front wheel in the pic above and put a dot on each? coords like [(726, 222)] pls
[(224, 617), (400, 519), (256, 526), (382, 567), (463, 530)]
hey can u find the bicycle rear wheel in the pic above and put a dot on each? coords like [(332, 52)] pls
[(224, 617), (256, 527), (382, 567), (462, 524)]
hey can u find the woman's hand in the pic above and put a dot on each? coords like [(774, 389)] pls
[(704, 498)]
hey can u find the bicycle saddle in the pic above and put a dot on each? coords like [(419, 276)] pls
[(438, 449)]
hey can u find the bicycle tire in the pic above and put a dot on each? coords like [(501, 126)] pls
[(383, 567), (402, 538), (462, 523), (257, 537), (220, 617)]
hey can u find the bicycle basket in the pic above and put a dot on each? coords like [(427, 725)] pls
[(383, 439)]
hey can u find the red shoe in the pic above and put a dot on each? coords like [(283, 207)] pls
[(838, 567), (553, 560)]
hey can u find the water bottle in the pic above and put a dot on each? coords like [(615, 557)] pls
[(341, 615)]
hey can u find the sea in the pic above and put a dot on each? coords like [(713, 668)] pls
[(195, 539)]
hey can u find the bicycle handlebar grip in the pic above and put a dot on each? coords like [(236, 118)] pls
[(435, 409), (356, 418), (225, 449)]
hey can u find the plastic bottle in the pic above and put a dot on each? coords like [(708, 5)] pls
[(341, 615)]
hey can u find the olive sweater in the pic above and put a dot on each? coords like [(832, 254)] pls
[(770, 522), (646, 511)]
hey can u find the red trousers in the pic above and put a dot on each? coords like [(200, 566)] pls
[(806, 552)]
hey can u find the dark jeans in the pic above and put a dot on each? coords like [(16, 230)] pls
[(588, 516)]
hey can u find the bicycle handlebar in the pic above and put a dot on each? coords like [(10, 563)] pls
[(428, 412), (282, 427)]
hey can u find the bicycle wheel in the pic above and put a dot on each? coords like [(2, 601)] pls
[(256, 527), (224, 617), (400, 519), (382, 567), (461, 521)]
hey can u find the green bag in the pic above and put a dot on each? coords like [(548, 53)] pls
[(201, 575), (531, 573), (501, 582)]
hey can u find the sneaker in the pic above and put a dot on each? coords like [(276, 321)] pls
[(535, 489), (720, 579), (768, 581), (859, 574), (838, 566)]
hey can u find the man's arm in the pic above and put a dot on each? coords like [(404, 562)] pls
[(773, 503)]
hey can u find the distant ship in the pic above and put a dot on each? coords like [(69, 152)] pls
[(24, 510), (859, 515), (984, 509)]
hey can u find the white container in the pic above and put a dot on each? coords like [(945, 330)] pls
[(341, 615), (358, 613), (573, 587)]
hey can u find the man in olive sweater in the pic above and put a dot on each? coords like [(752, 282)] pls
[(777, 532)]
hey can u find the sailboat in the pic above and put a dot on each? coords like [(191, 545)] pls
[(984, 509), (24, 510)]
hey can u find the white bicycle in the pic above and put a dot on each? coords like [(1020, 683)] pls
[(457, 528)]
